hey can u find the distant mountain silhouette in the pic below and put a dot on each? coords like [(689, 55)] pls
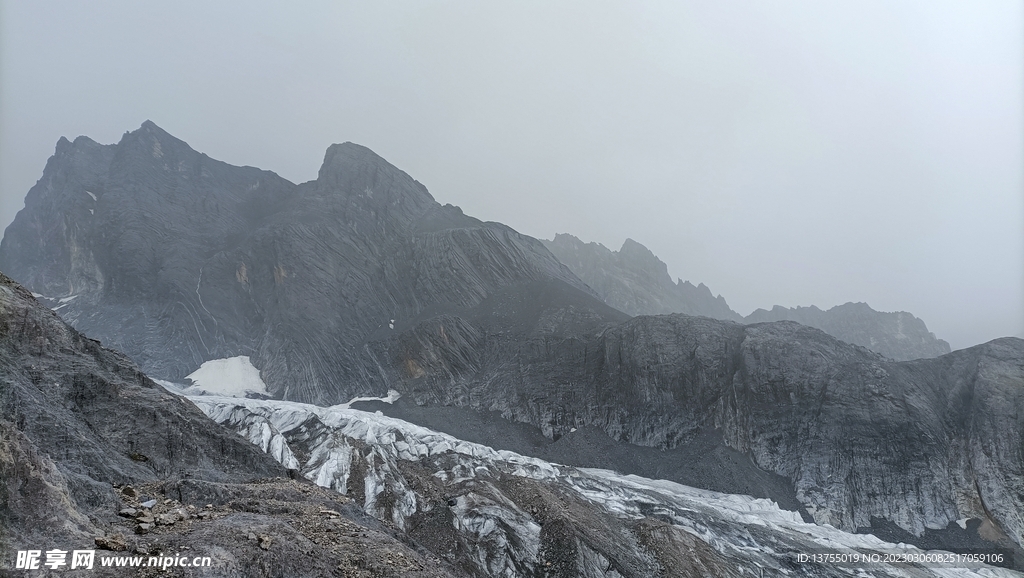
[(897, 335), (634, 280)]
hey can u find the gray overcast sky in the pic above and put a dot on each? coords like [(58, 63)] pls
[(787, 153)]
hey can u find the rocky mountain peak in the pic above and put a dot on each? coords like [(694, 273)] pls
[(567, 239), (151, 145), (634, 280), (358, 283), (204, 260), (63, 144), (357, 171), (631, 248), (639, 258)]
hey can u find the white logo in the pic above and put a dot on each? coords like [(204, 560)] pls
[(55, 559), (28, 559), (82, 559)]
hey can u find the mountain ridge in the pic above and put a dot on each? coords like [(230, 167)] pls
[(193, 258), (635, 281)]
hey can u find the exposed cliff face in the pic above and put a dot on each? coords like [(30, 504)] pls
[(62, 389), (88, 442), (635, 281), (859, 435), (899, 335)]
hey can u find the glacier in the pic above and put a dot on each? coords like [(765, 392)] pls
[(498, 513)]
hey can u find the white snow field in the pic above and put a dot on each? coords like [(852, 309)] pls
[(231, 377)]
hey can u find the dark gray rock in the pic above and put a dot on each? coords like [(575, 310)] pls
[(635, 281), (898, 335), (183, 259), (62, 389), (859, 435)]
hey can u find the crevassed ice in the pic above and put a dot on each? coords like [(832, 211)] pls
[(735, 525)]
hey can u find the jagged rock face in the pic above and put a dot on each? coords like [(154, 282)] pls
[(176, 259), (61, 393), (899, 335), (635, 281), (61, 390)]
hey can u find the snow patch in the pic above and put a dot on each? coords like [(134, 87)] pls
[(391, 397), (230, 377)]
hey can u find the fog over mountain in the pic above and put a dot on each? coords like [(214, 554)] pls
[(513, 289), (797, 154), (360, 284), (635, 281)]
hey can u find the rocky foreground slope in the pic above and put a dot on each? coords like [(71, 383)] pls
[(87, 441), (634, 280)]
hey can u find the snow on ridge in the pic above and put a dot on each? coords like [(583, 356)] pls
[(231, 377)]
